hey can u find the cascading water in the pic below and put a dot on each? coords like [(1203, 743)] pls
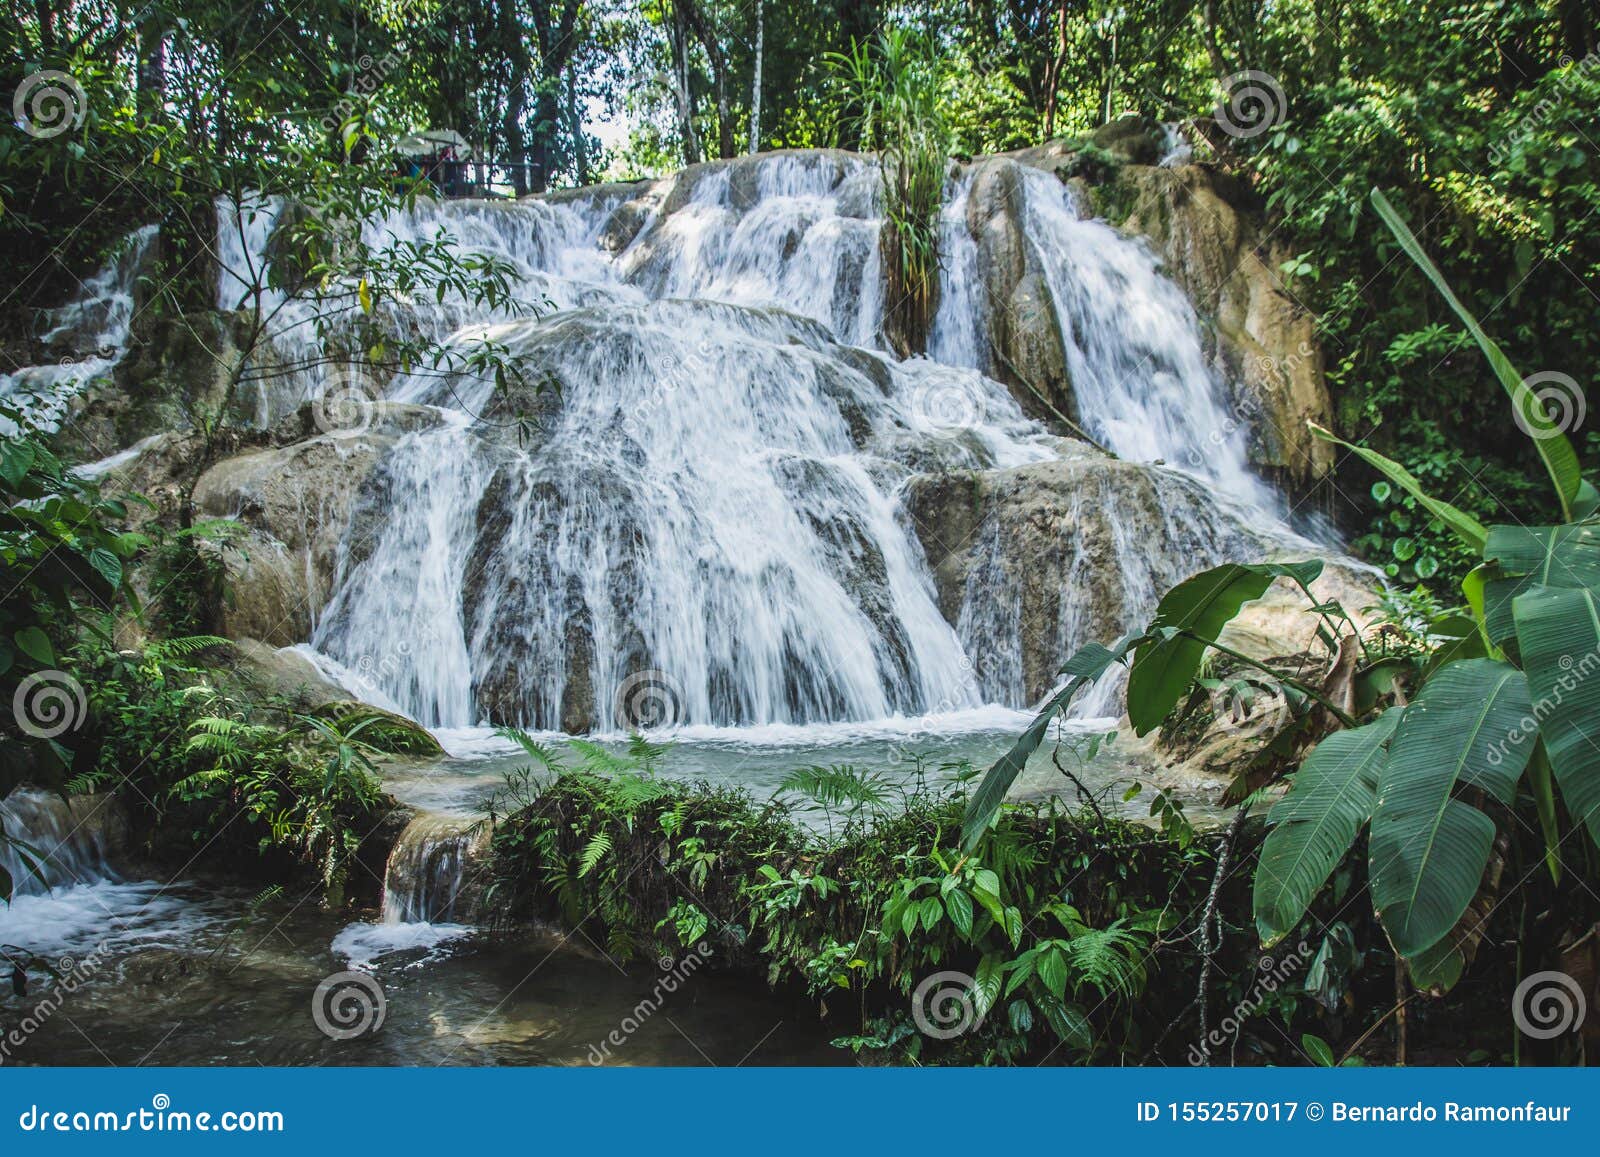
[(64, 845), (707, 505), (67, 897), (89, 335), (1139, 373), (426, 869), (423, 885)]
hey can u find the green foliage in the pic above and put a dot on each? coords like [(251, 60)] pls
[(895, 102), (310, 788), (862, 914), (63, 569), (1505, 689)]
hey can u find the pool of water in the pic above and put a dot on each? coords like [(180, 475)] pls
[(935, 750), (198, 975)]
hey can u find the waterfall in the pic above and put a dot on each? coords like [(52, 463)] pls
[(426, 869), (89, 335), (78, 903), (424, 892), (1139, 372), (687, 508), (66, 841)]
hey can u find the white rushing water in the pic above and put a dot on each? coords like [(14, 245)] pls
[(68, 900), (88, 337), (687, 512)]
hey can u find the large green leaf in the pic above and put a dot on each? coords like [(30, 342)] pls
[(1557, 453), (1558, 632), (1467, 528), (1331, 798), (1428, 848), (1531, 556), (1191, 615), (1087, 664)]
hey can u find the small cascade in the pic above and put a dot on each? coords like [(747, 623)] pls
[(66, 841), (424, 886), (427, 868), (1134, 353), (78, 904), (88, 335)]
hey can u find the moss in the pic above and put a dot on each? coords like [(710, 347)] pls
[(391, 734)]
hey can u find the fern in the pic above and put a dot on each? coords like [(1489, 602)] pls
[(840, 786), (165, 650), (598, 847), (1109, 959)]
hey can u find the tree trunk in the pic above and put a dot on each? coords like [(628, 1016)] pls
[(678, 42), (1052, 75), (1219, 64), (755, 85), (580, 147), (706, 34), (152, 76)]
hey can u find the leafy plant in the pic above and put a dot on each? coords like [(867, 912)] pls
[(1499, 720)]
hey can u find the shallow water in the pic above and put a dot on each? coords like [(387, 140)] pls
[(222, 984), (935, 752)]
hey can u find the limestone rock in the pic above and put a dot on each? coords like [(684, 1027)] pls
[(296, 504)]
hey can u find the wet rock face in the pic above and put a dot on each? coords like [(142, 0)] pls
[(1204, 226), (296, 503), (1025, 346), (1033, 562)]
